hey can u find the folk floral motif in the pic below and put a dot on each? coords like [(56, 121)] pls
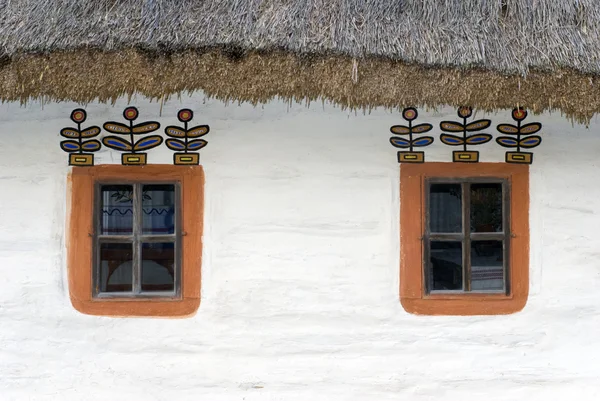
[(465, 156), (134, 147), (76, 145), (410, 114), (524, 137), (181, 136)]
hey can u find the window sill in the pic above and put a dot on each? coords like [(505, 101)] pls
[(476, 304), (145, 307)]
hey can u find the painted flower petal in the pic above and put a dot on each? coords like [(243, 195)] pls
[(114, 142), (423, 141), (530, 142), (400, 142), (507, 142), (451, 140), (175, 144), (197, 144), (91, 146), (148, 142), (198, 131), (69, 146), (479, 139), (174, 132)]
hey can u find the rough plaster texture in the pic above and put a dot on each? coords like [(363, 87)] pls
[(300, 271)]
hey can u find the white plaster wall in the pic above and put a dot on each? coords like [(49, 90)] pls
[(300, 271)]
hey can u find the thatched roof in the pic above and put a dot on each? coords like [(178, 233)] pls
[(543, 54)]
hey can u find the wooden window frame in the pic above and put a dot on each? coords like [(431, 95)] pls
[(413, 188), (81, 236)]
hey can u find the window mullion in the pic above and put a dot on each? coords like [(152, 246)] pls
[(137, 228), (466, 211)]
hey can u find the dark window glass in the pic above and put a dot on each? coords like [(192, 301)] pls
[(487, 265), (446, 265), (486, 207), (158, 266), (470, 258), (136, 240), (116, 210), (445, 208), (158, 205), (115, 267)]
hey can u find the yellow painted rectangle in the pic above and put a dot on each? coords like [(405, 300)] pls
[(81, 159), (186, 158), (519, 157), (469, 156), (411, 157), (136, 159)]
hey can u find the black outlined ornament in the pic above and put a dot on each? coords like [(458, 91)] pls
[(132, 146), (465, 156), (77, 145), (524, 137), (411, 156), (184, 145)]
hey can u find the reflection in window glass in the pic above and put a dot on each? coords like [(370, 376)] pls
[(487, 265), (445, 208), (486, 207), (158, 208), (115, 267), (116, 210), (446, 265), (158, 266)]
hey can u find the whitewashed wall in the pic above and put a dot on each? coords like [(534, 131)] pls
[(300, 271)]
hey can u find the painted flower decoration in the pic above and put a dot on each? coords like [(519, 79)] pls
[(182, 139)]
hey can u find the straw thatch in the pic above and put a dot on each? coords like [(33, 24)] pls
[(543, 54)]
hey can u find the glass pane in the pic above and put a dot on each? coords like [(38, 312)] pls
[(116, 209), (445, 208), (487, 267), (115, 267), (158, 208), (486, 207), (158, 266), (446, 265)]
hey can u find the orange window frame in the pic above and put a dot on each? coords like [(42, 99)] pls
[(80, 240), (413, 297)]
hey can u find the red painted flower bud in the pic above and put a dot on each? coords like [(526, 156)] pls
[(465, 111), (130, 113), (78, 115), (185, 115), (410, 113), (519, 114)]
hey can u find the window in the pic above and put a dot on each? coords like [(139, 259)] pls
[(135, 240), (464, 238)]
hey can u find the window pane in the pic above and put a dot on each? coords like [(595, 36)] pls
[(446, 265), (158, 266), (487, 268), (116, 209), (486, 207), (445, 208), (115, 267), (158, 208)]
